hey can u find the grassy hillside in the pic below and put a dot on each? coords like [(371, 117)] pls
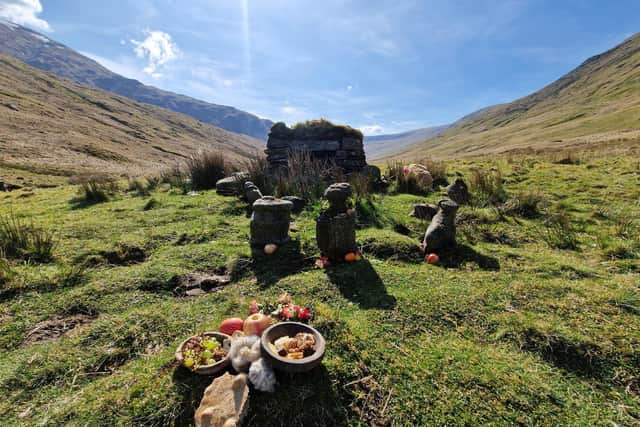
[(508, 330), (48, 55), (597, 104), (52, 126), (380, 146)]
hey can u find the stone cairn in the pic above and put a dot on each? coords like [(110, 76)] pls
[(336, 226), (324, 141), (441, 233), (270, 221)]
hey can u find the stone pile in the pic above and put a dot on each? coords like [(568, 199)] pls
[(324, 141)]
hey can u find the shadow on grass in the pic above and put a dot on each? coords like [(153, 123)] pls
[(287, 260), (360, 283), (462, 254), (307, 399), (80, 202), (191, 387)]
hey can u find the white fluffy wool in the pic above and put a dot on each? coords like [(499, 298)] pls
[(244, 350), (262, 376)]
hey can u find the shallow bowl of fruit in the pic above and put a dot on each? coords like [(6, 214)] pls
[(204, 354), (292, 347)]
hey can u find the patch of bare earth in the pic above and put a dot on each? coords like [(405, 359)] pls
[(58, 326)]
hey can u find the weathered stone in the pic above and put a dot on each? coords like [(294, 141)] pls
[(441, 233), (232, 185), (252, 192), (337, 195), (270, 221), (372, 172), (323, 141), (351, 144), (298, 203), (421, 174), (225, 402), (336, 226), (458, 191), (424, 211)]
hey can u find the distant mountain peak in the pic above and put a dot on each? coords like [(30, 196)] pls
[(51, 56)]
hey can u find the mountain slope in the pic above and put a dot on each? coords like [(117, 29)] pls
[(41, 52), (597, 103), (379, 146), (61, 127)]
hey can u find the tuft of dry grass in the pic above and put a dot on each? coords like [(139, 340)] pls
[(94, 188), (207, 168), (487, 187), (25, 241)]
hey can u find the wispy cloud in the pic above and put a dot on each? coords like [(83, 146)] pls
[(158, 49), (372, 130), (24, 12)]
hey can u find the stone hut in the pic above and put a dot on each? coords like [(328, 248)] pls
[(322, 139)]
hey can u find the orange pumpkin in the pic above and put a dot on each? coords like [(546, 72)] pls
[(350, 257)]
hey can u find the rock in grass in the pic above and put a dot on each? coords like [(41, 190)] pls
[(424, 211), (298, 203), (225, 402), (441, 233), (252, 192), (270, 221), (458, 192), (231, 185)]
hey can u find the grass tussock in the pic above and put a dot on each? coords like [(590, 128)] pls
[(206, 168), (6, 272), (526, 203), (26, 241), (487, 187), (305, 177), (437, 169), (558, 230), (94, 188), (257, 168), (404, 182)]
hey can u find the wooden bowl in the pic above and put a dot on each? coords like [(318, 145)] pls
[(291, 365), (221, 365)]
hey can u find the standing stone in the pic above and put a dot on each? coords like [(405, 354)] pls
[(336, 226), (441, 233), (424, 211), (458, 192), (252, 192), (270, 221)]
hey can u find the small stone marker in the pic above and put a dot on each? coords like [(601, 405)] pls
[(458, 192), (336, 226), (270, 221), (252, 192), (441, 233)]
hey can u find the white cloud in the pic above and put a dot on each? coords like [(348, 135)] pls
[(372, 130), (23, 12), (349, 87), (125, 66), (158, 49)]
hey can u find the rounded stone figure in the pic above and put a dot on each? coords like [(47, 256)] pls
[(441, 233), (252, 192), (225, 402), (458, 192), (336, 226), (270, 221)]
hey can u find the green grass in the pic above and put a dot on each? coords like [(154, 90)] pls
[(507, 330)]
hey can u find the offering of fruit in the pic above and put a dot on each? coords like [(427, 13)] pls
[(350, 257), (298, 347), (201, 351), (229, 326), (322, 262), (270, 248), (256, 324), (432, 259)]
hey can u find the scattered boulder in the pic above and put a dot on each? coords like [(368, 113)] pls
[(5, 186), (225, 402), (198, 284), (298, 203), (270, 221), (424, 211), (458, 192), (441, 233), (232, 185), (421, 174), (252, 192)]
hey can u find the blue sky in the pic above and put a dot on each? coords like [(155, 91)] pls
[(382, 66)]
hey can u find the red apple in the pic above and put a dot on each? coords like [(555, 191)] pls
[(432, 258), (256, 324), (229, 326)]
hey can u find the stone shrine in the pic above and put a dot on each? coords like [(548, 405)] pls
[(323, 140)]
